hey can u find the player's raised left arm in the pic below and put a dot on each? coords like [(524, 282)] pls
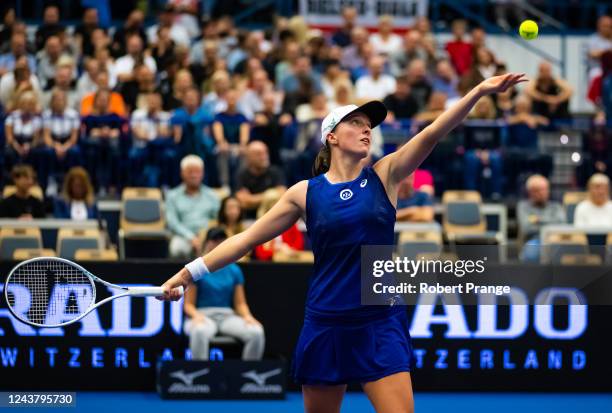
[(403, 162)]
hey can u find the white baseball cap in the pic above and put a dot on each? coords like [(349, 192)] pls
[(374, 110)]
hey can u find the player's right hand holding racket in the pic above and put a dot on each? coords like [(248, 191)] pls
[(171, 293)]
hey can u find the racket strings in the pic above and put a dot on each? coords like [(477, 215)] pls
[(56, 292)]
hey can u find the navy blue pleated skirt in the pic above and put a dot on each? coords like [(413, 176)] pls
[(341, 350)]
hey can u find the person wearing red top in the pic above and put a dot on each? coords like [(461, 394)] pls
[(291, 239), (289, 242), (459, 50)]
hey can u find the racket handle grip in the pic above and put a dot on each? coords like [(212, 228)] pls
[(150, 291)]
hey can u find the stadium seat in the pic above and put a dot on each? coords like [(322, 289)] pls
[(462, 216), (96, 255), (35, 191), (12, 239), (69, 240), (413, 243), (142, 223), (222, 193), (22, 254), (581, 259), (558, 244), (570, 200)]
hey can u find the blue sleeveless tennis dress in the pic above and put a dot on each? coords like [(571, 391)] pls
[(343, 341)]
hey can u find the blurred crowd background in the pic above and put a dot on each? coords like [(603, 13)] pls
[(212, 120)]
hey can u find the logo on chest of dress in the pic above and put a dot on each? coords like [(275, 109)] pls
[(346, 194), (363, 183)]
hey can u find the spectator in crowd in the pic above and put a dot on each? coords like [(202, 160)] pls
[(342, 37), (550, 94), (182, 82), (412, 49), (135, 91), (343, 94), (289, 243), (124, 66), (115, 102), (332, 75), (482, 162), (230, 216), (214, 100), (595, 93), (459, 50), (217, 304), (50, 26), (8, 23), (400, 104), (435, 107), (101, 131), (484, 67), (17, 81), (596, 210), (18, 49), (521, 154), (256, 177), (596, 153), (599, 42), (413, 205), (106, 63), (24, 140), (164, 50), (231, 131), (178, 33), (269, 127), (420, 85), (48, 60), (290, 51), (445, 80), (77, 200), (191, 129), (315, 109), (153, 153), (134, 24), (86, 83), (22, 204), (61, 126), (352, 55), (301, 69), (189, 207), (386, 42), (251, 100), (606, 88), (83, 31), (63, 81), (376, 84), (479, 38), (535, 212)]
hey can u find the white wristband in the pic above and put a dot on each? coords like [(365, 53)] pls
[(197, 269)]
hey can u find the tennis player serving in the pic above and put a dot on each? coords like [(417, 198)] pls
[(346, 206)]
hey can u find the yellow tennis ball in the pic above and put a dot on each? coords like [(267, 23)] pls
[(528, 30)]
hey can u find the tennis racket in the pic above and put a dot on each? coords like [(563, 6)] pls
[(55, 292)]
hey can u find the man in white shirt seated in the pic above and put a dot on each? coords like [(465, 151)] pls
[(596, 210), (376, 84), (125, 64)]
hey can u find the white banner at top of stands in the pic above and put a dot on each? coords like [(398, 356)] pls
[(328, 13)]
